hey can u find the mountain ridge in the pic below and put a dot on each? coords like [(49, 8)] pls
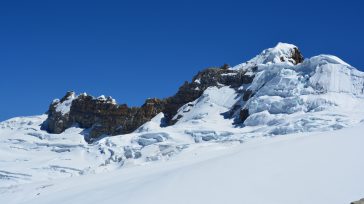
[(281, 73), (320, 94), (80, 109)]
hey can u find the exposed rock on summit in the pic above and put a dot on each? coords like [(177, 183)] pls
[(103, 116)]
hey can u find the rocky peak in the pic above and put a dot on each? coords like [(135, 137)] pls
[(102, 115)]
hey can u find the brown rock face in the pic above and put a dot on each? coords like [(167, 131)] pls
[(103, 116), (297, 56)]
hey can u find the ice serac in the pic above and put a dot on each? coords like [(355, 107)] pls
[(295, 97)]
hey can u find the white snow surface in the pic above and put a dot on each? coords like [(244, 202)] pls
[(270, 56), (206, 157), (310, 168), (64, 106)]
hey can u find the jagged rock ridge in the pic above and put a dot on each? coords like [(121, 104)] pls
[(104, 117)]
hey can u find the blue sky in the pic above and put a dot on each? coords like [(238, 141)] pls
[(133, 50)]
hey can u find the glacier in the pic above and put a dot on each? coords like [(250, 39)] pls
[(302, 129)]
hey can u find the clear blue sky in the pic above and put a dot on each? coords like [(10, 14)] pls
[(133, 50)]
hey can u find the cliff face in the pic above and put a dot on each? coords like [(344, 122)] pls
[(58, 114), (207, 78), (102, 116)]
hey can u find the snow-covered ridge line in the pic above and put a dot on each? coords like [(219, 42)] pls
[(281, 73), (275, 93), (63, 105), (281, 53)]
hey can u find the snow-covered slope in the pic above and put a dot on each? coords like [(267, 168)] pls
[(322, 93), (208, 155), (301, 168)]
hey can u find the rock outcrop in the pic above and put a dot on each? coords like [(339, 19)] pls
[(190, 91), (297, 56), (103, 116)]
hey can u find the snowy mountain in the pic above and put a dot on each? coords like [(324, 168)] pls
[(207, 143)]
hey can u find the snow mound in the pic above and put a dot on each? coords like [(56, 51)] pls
[(281, 53)]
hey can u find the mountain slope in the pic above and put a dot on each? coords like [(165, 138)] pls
[(302, 168), (275, 93)]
